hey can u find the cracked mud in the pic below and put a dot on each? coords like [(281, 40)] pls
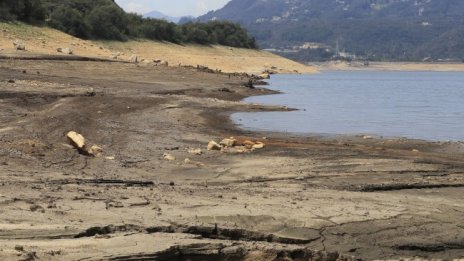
[(318, 198)]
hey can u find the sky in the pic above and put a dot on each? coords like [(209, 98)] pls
[(172, 7)]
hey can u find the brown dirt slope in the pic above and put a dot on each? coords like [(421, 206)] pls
[(43, 40)]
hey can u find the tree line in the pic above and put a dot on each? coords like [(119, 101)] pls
[(105, 20)]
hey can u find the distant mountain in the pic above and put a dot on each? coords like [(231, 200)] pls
[(159, 15), (377, 29)]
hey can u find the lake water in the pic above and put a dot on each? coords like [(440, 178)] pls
[(423, 105)]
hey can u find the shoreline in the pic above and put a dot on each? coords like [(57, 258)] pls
[(371, 199), (389, 66)]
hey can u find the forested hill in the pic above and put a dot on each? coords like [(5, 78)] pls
[(378, 29), (104, 19)]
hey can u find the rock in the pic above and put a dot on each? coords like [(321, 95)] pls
[(258, 145), (78, 142), (234, 250), (110, 158), (264, 76), (248, 144), (35, 207), (95, 150), (191, 162), (228, 142), (212, 145), (169, 157), (19, 46), (367, 137), (29, 256), (164, 63), (76, 139), (65, 50), (415, 150), (115, 56), (195, 152), (134, 59), (19, 248)]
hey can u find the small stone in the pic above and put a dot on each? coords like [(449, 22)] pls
[(19, 248), (169, 157), (195, 151), (95, 150), (35, 207)]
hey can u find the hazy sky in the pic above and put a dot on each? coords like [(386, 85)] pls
[(172, 7)]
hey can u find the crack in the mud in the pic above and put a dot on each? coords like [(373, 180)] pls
[(393, 187), (203, 231)]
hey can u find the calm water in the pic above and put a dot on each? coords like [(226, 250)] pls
[(424, 105)]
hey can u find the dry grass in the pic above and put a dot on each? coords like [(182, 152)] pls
[(43, 40)]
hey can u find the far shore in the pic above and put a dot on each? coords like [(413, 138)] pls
[(389, 66)]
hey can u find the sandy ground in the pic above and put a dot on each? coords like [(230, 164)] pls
[(389, 66), (46, 41), (298, 198)]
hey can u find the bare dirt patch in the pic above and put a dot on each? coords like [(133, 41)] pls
[(298, 198)]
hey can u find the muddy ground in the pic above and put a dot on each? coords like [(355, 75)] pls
[(299, 198)]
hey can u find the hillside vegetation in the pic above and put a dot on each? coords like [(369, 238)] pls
[(104, 19), (374, 29)]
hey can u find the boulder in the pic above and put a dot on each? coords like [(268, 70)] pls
[(264, 76), (19, 46), (258, 145), (76, 139), (230, 142), (65, 50), (134, 59), (115, 56), (212, 145), (248, 144)]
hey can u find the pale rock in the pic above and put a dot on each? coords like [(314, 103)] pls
[(169, 157), (195, 152), (134, 58), (76, 139), (258, 145), (95, 150), (248, 144), (228, 142), (65, 50), (212, 145), (19, 46)]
